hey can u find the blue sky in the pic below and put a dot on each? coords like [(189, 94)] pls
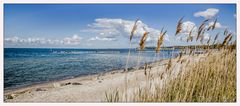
[(107, 25)]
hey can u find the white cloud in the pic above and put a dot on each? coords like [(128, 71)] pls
[(187, 27), (74, 40), (102, 39), (207, 14), (109, 29)]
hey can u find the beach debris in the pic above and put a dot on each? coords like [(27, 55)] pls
[(40, 89), (68, 83), (113, 72), (10, 96), (76, 83), (129, 69)]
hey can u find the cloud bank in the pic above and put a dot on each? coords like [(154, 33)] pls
[(107, 29), (73, 40)]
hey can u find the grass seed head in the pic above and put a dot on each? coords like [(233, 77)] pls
[(179, 26), (134, 29), (143, 40)]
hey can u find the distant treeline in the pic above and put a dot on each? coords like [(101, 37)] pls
[(215, 46)]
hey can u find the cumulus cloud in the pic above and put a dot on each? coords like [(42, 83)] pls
[(207, 14), (187, 27), (73, 40), (109, 29)]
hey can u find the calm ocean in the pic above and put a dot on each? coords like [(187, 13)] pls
[(27, 66)]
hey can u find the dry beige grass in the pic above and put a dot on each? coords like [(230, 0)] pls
[(133, 29), (143, 40), (211, 79), (160, 41)]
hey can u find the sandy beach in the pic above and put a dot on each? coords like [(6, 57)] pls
[(93, 88)]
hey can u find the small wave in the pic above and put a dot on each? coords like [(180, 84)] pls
[(86, 52)]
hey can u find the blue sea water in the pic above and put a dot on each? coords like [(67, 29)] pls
[(27, 66)]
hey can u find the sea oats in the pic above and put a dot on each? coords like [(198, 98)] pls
[(226, 39), (212, 27), (202, 36), (169, 65), (134, 29), (229, 40), (190, 37), (215, 38), (214, 24), (209, 27), (209, 40), (143, 40), (180, 56), (199, 34), (201, 29), (160, 41), (225, 32), (179, 26)]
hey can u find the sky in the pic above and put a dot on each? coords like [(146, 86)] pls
[(109, 25)]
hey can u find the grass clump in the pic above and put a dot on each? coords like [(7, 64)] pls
[(211, 80)]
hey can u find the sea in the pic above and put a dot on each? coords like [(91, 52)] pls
[(28, 66)]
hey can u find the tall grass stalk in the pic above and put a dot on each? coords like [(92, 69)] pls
[(129, 51)]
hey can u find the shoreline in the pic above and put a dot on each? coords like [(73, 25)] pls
[(121, 70), (85, 88)]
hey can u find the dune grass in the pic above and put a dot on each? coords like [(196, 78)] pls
[(211, 79)]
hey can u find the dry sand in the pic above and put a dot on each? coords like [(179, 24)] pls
[(92, 88)]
